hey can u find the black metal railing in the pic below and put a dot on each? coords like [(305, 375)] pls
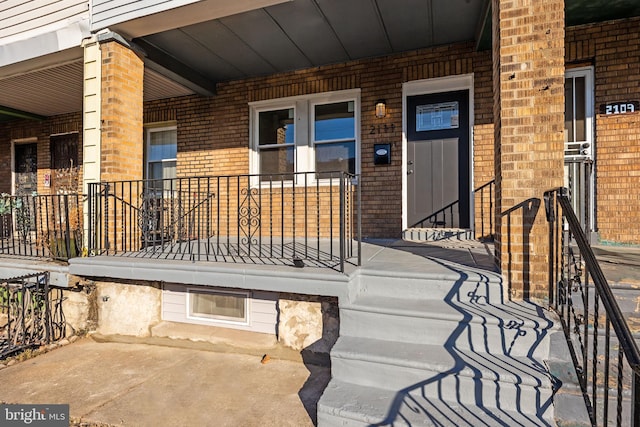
[(45, 226), (484, 205), (300, 218), (30, 313), (601, 344)]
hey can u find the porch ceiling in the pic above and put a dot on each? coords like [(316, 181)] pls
[(307, 33), (283, 37), (57, 89)]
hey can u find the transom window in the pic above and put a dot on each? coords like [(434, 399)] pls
[(318, 133)]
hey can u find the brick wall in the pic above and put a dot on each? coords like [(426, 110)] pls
[(122, 133), (613, 49), (41, 131), (213, 133), (528, 46)]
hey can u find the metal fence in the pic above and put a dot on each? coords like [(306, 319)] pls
[(30, 313), (298, 218), (45, 226), (446, 217), (602, 347)]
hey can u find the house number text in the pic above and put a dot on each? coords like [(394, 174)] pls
[(381, 129), (620, 107)]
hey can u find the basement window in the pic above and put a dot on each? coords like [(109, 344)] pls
[(227, 307)]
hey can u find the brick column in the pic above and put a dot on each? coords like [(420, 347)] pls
[(121, 113), (528, 85)]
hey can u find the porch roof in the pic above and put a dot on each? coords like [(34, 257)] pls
[(283, 37)]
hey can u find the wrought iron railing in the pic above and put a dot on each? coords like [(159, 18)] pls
[(601, 344), (30, 313), (45, 226), (298, 218), (484, 205)]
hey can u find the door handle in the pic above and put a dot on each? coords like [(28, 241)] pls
[(410, 171), (410, 162)]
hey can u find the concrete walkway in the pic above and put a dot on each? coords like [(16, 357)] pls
[(123, 384)]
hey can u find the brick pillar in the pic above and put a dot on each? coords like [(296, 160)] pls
[(121, 113), (528, 85)]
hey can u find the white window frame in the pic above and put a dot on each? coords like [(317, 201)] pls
[(148, 131), (255, 144), (244, 294), (312, 122), (304, 160), (438, 85), (587, 73)]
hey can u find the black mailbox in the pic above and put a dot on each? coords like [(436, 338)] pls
[(382, 154)]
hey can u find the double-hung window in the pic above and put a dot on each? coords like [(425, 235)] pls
[(334, 137), (276, 142), (315, 133), (161, 154)]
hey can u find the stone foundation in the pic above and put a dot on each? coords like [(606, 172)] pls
[(307, 322)]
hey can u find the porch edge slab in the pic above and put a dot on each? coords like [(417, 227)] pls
[(58, 274), (274, 279)]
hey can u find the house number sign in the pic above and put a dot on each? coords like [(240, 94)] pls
[(620, 107)]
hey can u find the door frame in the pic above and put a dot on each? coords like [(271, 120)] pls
[(588, 72), (426, 87), (14, 142)]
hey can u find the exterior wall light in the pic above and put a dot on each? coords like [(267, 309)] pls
[(381, 108)]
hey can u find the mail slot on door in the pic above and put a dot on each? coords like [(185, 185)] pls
[(382, 154)]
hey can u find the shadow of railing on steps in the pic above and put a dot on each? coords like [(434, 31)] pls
[(525, 395)]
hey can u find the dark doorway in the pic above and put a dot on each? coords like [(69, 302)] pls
[(64, 163), (26, 168)]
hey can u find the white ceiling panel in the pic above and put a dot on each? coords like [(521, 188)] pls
[(157, 86), (46, 92)]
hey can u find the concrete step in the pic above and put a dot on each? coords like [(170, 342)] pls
[(515, 329), (352, 405), (451, 374), (442, 284)]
